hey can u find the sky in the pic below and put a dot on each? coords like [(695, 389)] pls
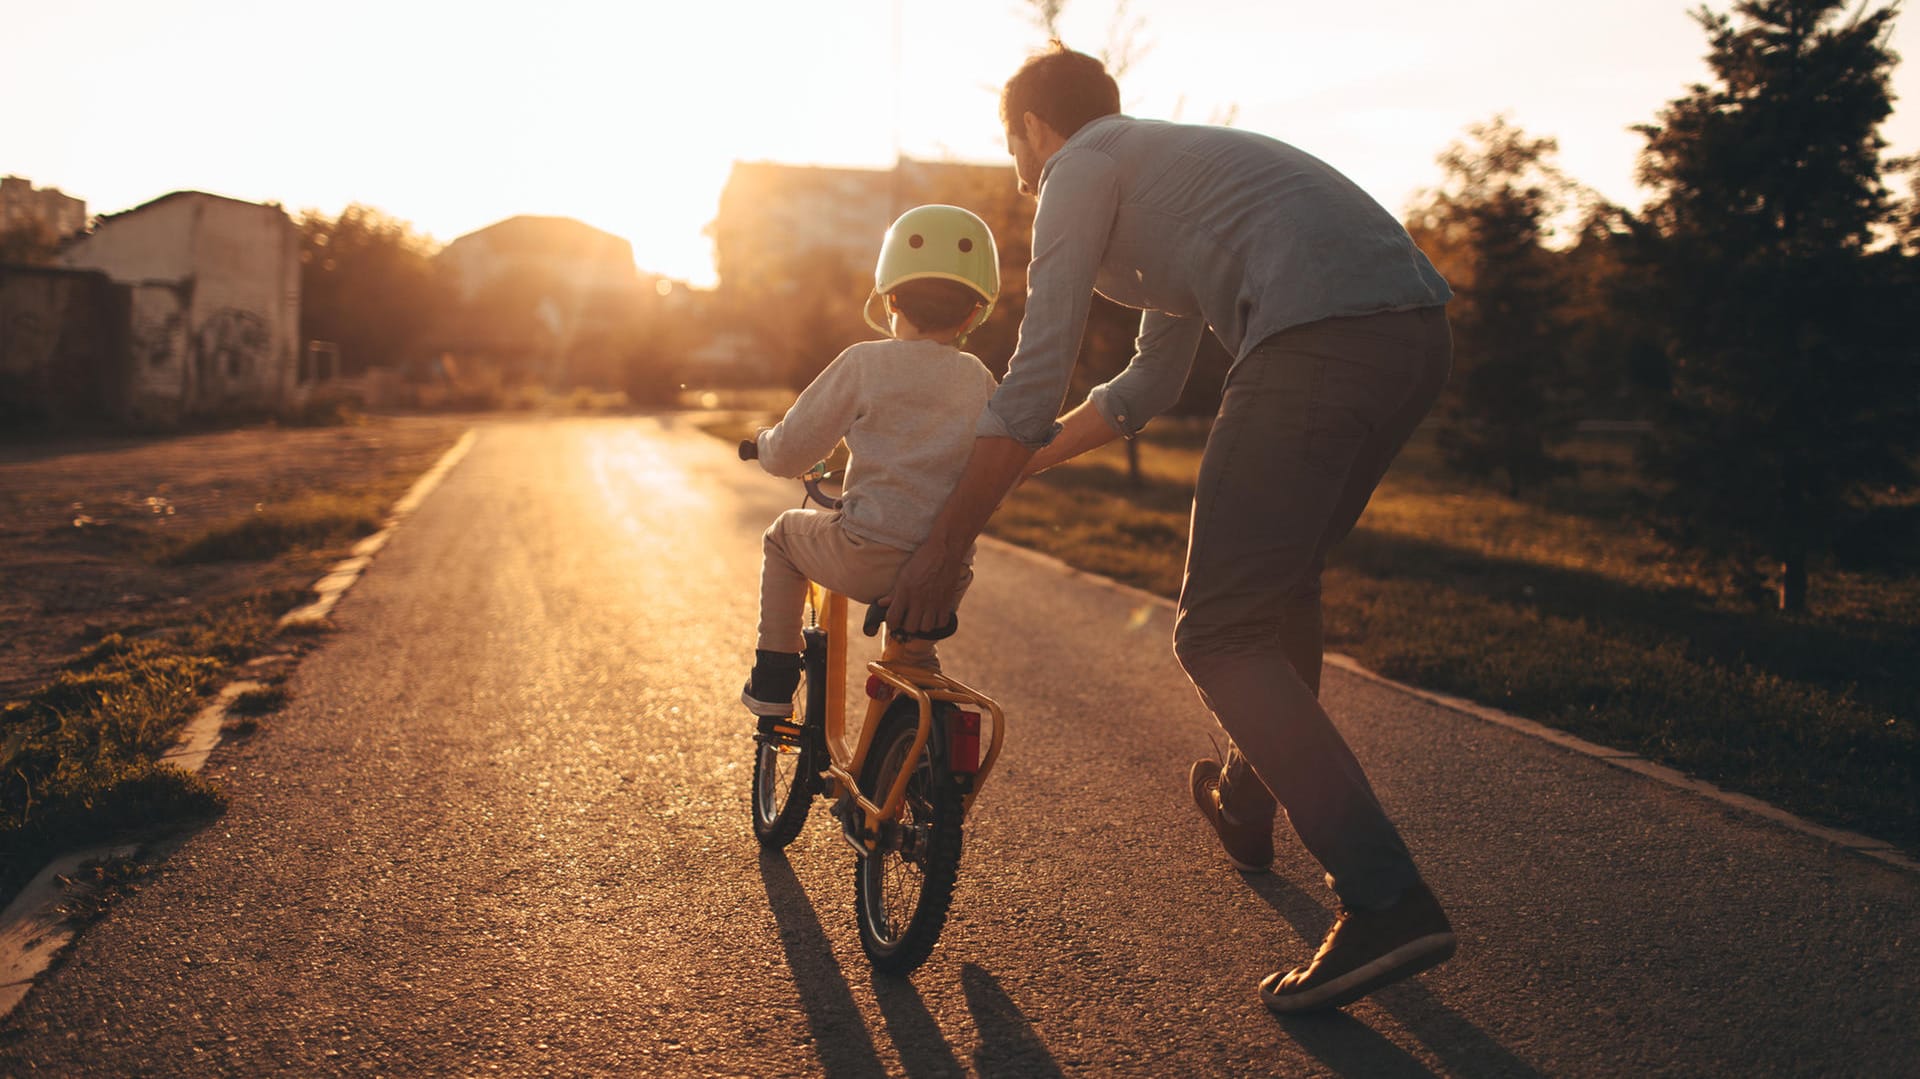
[(628, 114)]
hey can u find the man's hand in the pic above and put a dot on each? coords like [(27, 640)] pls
[(922, 596)]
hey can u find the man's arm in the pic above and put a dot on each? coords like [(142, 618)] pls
[(1079, 196), (922, 596), (1081, 430)]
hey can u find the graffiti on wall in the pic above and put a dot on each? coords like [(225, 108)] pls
[(153, 340), (232, 343)]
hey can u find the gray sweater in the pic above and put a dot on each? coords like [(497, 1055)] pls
[(907, 410), (1199, 227)]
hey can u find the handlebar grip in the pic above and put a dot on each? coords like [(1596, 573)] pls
[(749, 449), (877, 614)]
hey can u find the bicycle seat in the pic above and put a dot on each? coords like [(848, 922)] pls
[(877, 614)]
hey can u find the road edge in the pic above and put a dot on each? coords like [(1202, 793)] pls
[(1878, 849), (35, 928)]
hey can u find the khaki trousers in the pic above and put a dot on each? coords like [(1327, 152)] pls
[(810, 545), (1308, 423)]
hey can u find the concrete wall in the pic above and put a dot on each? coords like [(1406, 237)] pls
[(159, 368), (215, 312), (153, 242), (63, 345)]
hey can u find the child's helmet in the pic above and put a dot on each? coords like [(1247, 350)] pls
[(943, 242)]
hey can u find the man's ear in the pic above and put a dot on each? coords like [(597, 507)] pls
[(1034, 128)]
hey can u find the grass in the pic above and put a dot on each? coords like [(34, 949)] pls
[(313, 520), (79, 759), (1562, 609)]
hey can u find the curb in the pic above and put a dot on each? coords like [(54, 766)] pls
[(35, 927), (1878, 849), (344, 573)]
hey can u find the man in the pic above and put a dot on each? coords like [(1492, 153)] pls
[(1337, 327)]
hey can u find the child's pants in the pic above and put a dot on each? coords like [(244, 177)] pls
[(810, 545)]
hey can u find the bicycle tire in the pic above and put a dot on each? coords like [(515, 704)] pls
[(902, 890), (785, 779)]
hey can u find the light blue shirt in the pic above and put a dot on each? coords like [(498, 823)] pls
[(1199, 227)]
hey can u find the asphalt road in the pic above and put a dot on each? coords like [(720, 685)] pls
[(502, 828)]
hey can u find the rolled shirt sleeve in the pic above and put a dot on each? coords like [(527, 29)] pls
[(1162, 359), (1079, 195)]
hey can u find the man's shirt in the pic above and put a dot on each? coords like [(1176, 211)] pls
[(1200, 227)]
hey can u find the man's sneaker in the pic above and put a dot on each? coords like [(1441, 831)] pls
[(1365, 950), (769, 688), (1249, 844)]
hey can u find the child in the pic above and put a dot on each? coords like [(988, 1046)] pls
[(906, 408)]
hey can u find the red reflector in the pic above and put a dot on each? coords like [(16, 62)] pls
[(963, 739), (879, 689)]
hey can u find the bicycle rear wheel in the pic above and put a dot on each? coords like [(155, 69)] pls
[(785, 779), (902, 890)]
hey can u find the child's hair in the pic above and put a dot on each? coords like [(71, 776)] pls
[(935, 304)]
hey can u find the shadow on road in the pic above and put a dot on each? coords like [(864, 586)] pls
[(1008, 1043), (923, 1048), (1350, 1047), (840, 1037)]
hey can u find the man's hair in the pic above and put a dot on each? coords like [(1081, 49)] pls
[(1066, 89), (935, 304)]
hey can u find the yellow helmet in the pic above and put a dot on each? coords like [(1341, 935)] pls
[(943, 242)]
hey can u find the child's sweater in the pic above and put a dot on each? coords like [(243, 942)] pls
[(907, 410)]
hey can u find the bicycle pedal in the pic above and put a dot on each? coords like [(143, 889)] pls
[(784, 737)]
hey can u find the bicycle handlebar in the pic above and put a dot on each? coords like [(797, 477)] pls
[(815, 476)]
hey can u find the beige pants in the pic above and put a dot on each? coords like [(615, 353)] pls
[(810, 545)]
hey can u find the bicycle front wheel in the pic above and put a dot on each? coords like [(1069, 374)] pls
[(785, 780), (903, 889)]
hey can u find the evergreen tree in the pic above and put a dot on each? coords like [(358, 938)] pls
[(1508, 404), (1790, 386)]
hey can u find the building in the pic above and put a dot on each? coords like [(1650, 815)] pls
[(570, 254), (213, 302), (22, 205), (544, 300), (794, 250), (214, 312), (771, 215)]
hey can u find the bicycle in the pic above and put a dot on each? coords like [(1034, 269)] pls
[(900, 787)]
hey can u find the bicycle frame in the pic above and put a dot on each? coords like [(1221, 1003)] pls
[(884, 684)]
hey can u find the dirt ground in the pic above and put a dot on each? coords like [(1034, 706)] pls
[(83, 522)]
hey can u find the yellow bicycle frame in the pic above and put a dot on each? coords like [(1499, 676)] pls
[(924, 687)]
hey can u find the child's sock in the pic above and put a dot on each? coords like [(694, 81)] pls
[(915, 653)]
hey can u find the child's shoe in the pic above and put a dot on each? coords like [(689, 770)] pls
[(769, 689)]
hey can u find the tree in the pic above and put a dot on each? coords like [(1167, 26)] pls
[(367, 283), (1792, 387), (1615, 364), (1508, 402)]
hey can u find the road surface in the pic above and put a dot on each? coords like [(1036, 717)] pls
[(502, 829)]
